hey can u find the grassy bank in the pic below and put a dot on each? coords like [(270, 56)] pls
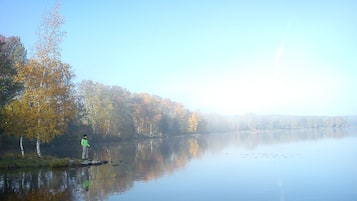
[(9, 161)]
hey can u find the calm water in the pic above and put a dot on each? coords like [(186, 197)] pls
[(280, 165)]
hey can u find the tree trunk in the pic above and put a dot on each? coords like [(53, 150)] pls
[(38, 147), (22, 147)]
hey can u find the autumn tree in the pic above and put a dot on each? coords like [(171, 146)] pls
[(147, 114), (106, 109), (48, 88), (17, 120), (179, 119), (98, 107), (122, 120), (112, 110), (192, 123)]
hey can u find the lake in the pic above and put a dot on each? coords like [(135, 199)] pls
[(283, 165)]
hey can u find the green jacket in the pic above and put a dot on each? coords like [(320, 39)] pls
[(84, 142)]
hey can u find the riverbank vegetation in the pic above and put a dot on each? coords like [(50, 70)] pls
[(41, 104), (12, 160), (15, 161)]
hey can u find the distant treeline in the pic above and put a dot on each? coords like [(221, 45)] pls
[(112, 110), (218, 123)]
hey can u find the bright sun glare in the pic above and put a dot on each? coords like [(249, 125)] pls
[(265, 93)]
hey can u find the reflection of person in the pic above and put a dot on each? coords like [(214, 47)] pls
[(86, 184), (85, 177), (85, 146)]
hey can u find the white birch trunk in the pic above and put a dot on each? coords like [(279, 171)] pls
[(38, 147), (22, 147)]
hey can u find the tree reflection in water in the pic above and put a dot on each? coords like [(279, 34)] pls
[(135, 161), (37, 185)]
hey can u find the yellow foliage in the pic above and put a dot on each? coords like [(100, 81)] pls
[(47, 103)]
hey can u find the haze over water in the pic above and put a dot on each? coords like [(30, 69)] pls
[(306, 164)]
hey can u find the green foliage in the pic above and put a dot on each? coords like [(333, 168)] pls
[(12, 56)]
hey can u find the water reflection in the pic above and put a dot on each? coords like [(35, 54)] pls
[(140, 161), (37, 185), (85, 178)]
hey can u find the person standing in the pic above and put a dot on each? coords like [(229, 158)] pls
[(85, 146)]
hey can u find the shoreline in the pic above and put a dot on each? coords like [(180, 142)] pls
[(17, 162)]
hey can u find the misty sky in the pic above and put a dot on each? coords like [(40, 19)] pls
[(230, 57)]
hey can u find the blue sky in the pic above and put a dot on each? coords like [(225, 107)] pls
[(230, 57)]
